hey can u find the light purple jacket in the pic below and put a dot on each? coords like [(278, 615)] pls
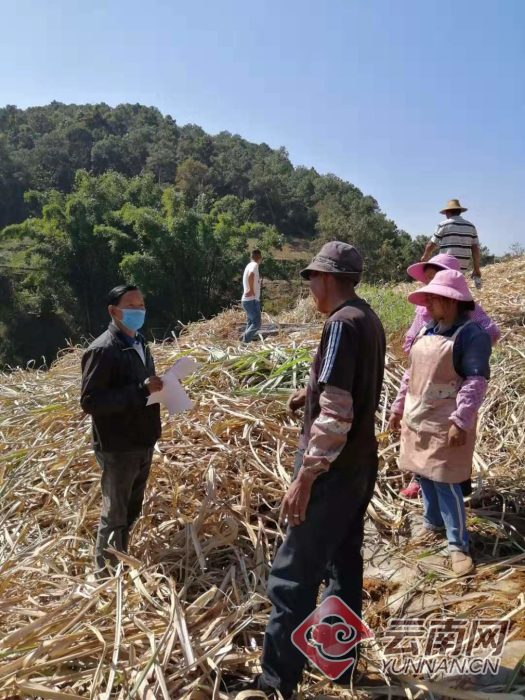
[(422, 317)]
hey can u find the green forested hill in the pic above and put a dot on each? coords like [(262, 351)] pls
[(91, 195)]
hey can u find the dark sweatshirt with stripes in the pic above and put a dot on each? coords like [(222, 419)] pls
[(350, 356)]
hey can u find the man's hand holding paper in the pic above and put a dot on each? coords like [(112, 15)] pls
[(172, 394)]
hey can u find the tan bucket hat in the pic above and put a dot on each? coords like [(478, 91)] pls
[(453, 204), (336, 258)]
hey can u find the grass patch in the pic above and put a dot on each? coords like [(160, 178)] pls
[(395, 312)]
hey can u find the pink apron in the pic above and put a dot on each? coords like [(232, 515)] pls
[(429, 403)]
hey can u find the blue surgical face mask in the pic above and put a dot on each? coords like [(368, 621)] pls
[(133, 319)]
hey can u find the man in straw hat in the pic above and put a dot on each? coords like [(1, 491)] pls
[(335, 469), (458, 237)]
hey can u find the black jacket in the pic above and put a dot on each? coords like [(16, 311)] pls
[(113, 393)]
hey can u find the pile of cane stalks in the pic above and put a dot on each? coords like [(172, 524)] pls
[(187, 607)]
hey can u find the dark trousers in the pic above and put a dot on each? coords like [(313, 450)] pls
[(325, 547), (124, 478)]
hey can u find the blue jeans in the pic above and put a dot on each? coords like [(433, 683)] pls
[(445, 509), (253, 314)]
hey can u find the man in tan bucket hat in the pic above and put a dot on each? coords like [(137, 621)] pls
[(334, 475), (456, 236)]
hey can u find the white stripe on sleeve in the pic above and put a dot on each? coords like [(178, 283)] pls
[(333, 345)]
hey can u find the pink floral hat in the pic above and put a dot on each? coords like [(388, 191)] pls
[(447, 283), (443, 261)]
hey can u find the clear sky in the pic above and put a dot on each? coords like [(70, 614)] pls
[(413, 101)]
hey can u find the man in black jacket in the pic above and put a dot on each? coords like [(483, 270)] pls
[(118, 375)]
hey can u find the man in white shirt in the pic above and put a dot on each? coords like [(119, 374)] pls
[(251, 295)]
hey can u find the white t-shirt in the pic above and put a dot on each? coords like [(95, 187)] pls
[(251, 267)]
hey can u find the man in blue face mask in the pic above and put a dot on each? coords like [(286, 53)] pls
[(118, 375)]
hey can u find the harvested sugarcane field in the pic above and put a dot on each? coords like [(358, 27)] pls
[(187, 607)]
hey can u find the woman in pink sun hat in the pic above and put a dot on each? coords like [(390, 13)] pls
[(425, 272), (437, 406)]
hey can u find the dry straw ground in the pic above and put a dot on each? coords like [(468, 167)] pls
[(188, 605)]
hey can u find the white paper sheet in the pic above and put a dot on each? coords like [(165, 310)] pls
[(172, 394)]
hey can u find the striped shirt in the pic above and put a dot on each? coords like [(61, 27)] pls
[(456, 236)]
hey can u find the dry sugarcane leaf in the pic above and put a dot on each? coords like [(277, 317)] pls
[(210, 517)]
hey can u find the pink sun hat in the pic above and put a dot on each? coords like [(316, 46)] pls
[(447, 283), (443, 261)]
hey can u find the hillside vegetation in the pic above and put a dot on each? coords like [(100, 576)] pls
[(92, 195)]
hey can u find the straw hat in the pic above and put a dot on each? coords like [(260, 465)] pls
[(453, 204), (443, 261), (447, 283)]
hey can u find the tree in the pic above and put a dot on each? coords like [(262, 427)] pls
[(386, 250), (231, 165), (51, 163), (91, 195), (162, 158), (79, 145), (75, 263), (22, 328), (516, 250), (195, 143), (240, 212), (192, 180), (111, 228), (486, 257), (13, 181), (112, 153), (269, 185)]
